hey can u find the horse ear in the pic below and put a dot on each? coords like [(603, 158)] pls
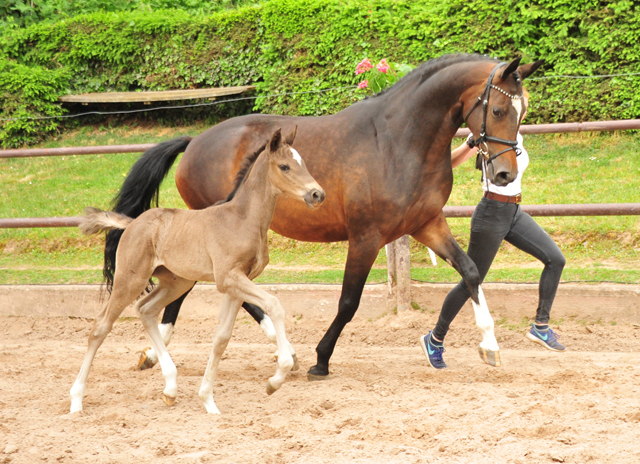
[(291, 137), (276, 141), (527, 69), (510, 69)]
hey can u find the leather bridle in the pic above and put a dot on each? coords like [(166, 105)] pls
[(484, 138)]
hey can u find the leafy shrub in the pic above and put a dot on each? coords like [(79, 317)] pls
[(289, 46), (29, 91)]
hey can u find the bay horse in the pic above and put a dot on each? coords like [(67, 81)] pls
[(385, 163), (226, 244)]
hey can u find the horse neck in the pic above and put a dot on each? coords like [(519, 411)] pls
[(256, 198), (430, 112)]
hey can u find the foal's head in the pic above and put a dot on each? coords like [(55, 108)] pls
[(288, 173), (495, 117)]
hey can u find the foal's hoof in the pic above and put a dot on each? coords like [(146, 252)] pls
[(270, 388), (296, 365), (317, 374), (168, 400), (144, 362), (490, 357)]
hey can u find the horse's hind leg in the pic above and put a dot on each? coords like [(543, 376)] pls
[(269, 330), (437, 236), (167, 290), (148, 357), (227, 316), (125, 291)]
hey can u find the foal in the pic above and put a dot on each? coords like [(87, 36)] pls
[(225, 244)]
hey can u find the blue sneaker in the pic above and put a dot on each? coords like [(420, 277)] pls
[(546, 338), (432, 352)]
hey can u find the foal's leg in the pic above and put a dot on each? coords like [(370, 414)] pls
[(437, 236), (148, 357), (238, 285), (125, 291), (167, 290), (267, 326), (227, 316)]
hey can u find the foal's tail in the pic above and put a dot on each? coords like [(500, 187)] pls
[(139, 191), (96, 220)]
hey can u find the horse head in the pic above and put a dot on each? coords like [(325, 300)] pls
[(494, 117), (288, 172)]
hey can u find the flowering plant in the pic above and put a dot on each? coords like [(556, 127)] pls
[(379, 77)]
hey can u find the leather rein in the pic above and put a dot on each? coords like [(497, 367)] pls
[(484, 138)]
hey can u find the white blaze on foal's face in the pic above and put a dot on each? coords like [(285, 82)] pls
[(296, 156)]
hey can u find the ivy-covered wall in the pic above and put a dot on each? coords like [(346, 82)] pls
[(297, 45)]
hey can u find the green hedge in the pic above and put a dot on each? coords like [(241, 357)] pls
[(298, 45)]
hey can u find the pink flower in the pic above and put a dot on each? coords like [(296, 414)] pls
[(364, 84), (364, 66), (383, 66)]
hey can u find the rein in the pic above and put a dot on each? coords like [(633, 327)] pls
[(484, 138)]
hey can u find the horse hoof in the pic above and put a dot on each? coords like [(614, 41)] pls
[(296, 365), (315, 373), (270, 388), (168, 400), (144, 362), (490, 357)]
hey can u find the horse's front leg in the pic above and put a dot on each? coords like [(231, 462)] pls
[(360, 258), (437, 236), (226, 316), (269, 330), (238, 285)]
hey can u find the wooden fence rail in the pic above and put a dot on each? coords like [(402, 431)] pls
[(399, 267)]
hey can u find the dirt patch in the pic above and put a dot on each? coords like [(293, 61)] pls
[(383, 404)]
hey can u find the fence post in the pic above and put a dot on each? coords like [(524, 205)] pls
[(399, 273)]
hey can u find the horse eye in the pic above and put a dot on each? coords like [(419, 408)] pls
[(284, 168), (497, 113)]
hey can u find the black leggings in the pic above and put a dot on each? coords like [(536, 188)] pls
[(492, 222)]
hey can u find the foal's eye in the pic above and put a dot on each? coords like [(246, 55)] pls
[(284, 168)]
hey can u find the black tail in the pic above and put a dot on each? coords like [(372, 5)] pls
[(138, 193)]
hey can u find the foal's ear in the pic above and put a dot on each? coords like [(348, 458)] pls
[(291, 137), (510, 69), (527, 69), (276, 141)]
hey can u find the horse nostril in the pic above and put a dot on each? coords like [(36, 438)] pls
[(316, 196)]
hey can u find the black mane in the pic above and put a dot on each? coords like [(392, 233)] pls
[(429, 68), (242, 173)]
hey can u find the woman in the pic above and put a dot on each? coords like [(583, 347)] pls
[(499, 217)]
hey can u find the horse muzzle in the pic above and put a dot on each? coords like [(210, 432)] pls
[(314, 197), (501, 176)]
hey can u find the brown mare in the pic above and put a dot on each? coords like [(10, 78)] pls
[(225, 244), (385, 163)]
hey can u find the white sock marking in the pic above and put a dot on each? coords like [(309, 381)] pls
[(296, 156), (433, 257)]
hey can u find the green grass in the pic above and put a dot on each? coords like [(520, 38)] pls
[(572, 168)]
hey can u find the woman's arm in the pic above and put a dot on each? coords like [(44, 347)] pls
[(462, 154)]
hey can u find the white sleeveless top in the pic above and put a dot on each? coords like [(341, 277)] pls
[(515, 187)]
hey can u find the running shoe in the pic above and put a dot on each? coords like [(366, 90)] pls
[(546, 338), (432, 352)]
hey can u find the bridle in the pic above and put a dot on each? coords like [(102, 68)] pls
[(484, 138)]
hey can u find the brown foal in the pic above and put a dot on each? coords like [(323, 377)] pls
[(225, 244)]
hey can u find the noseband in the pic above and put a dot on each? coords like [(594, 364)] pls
[(484, 138)]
